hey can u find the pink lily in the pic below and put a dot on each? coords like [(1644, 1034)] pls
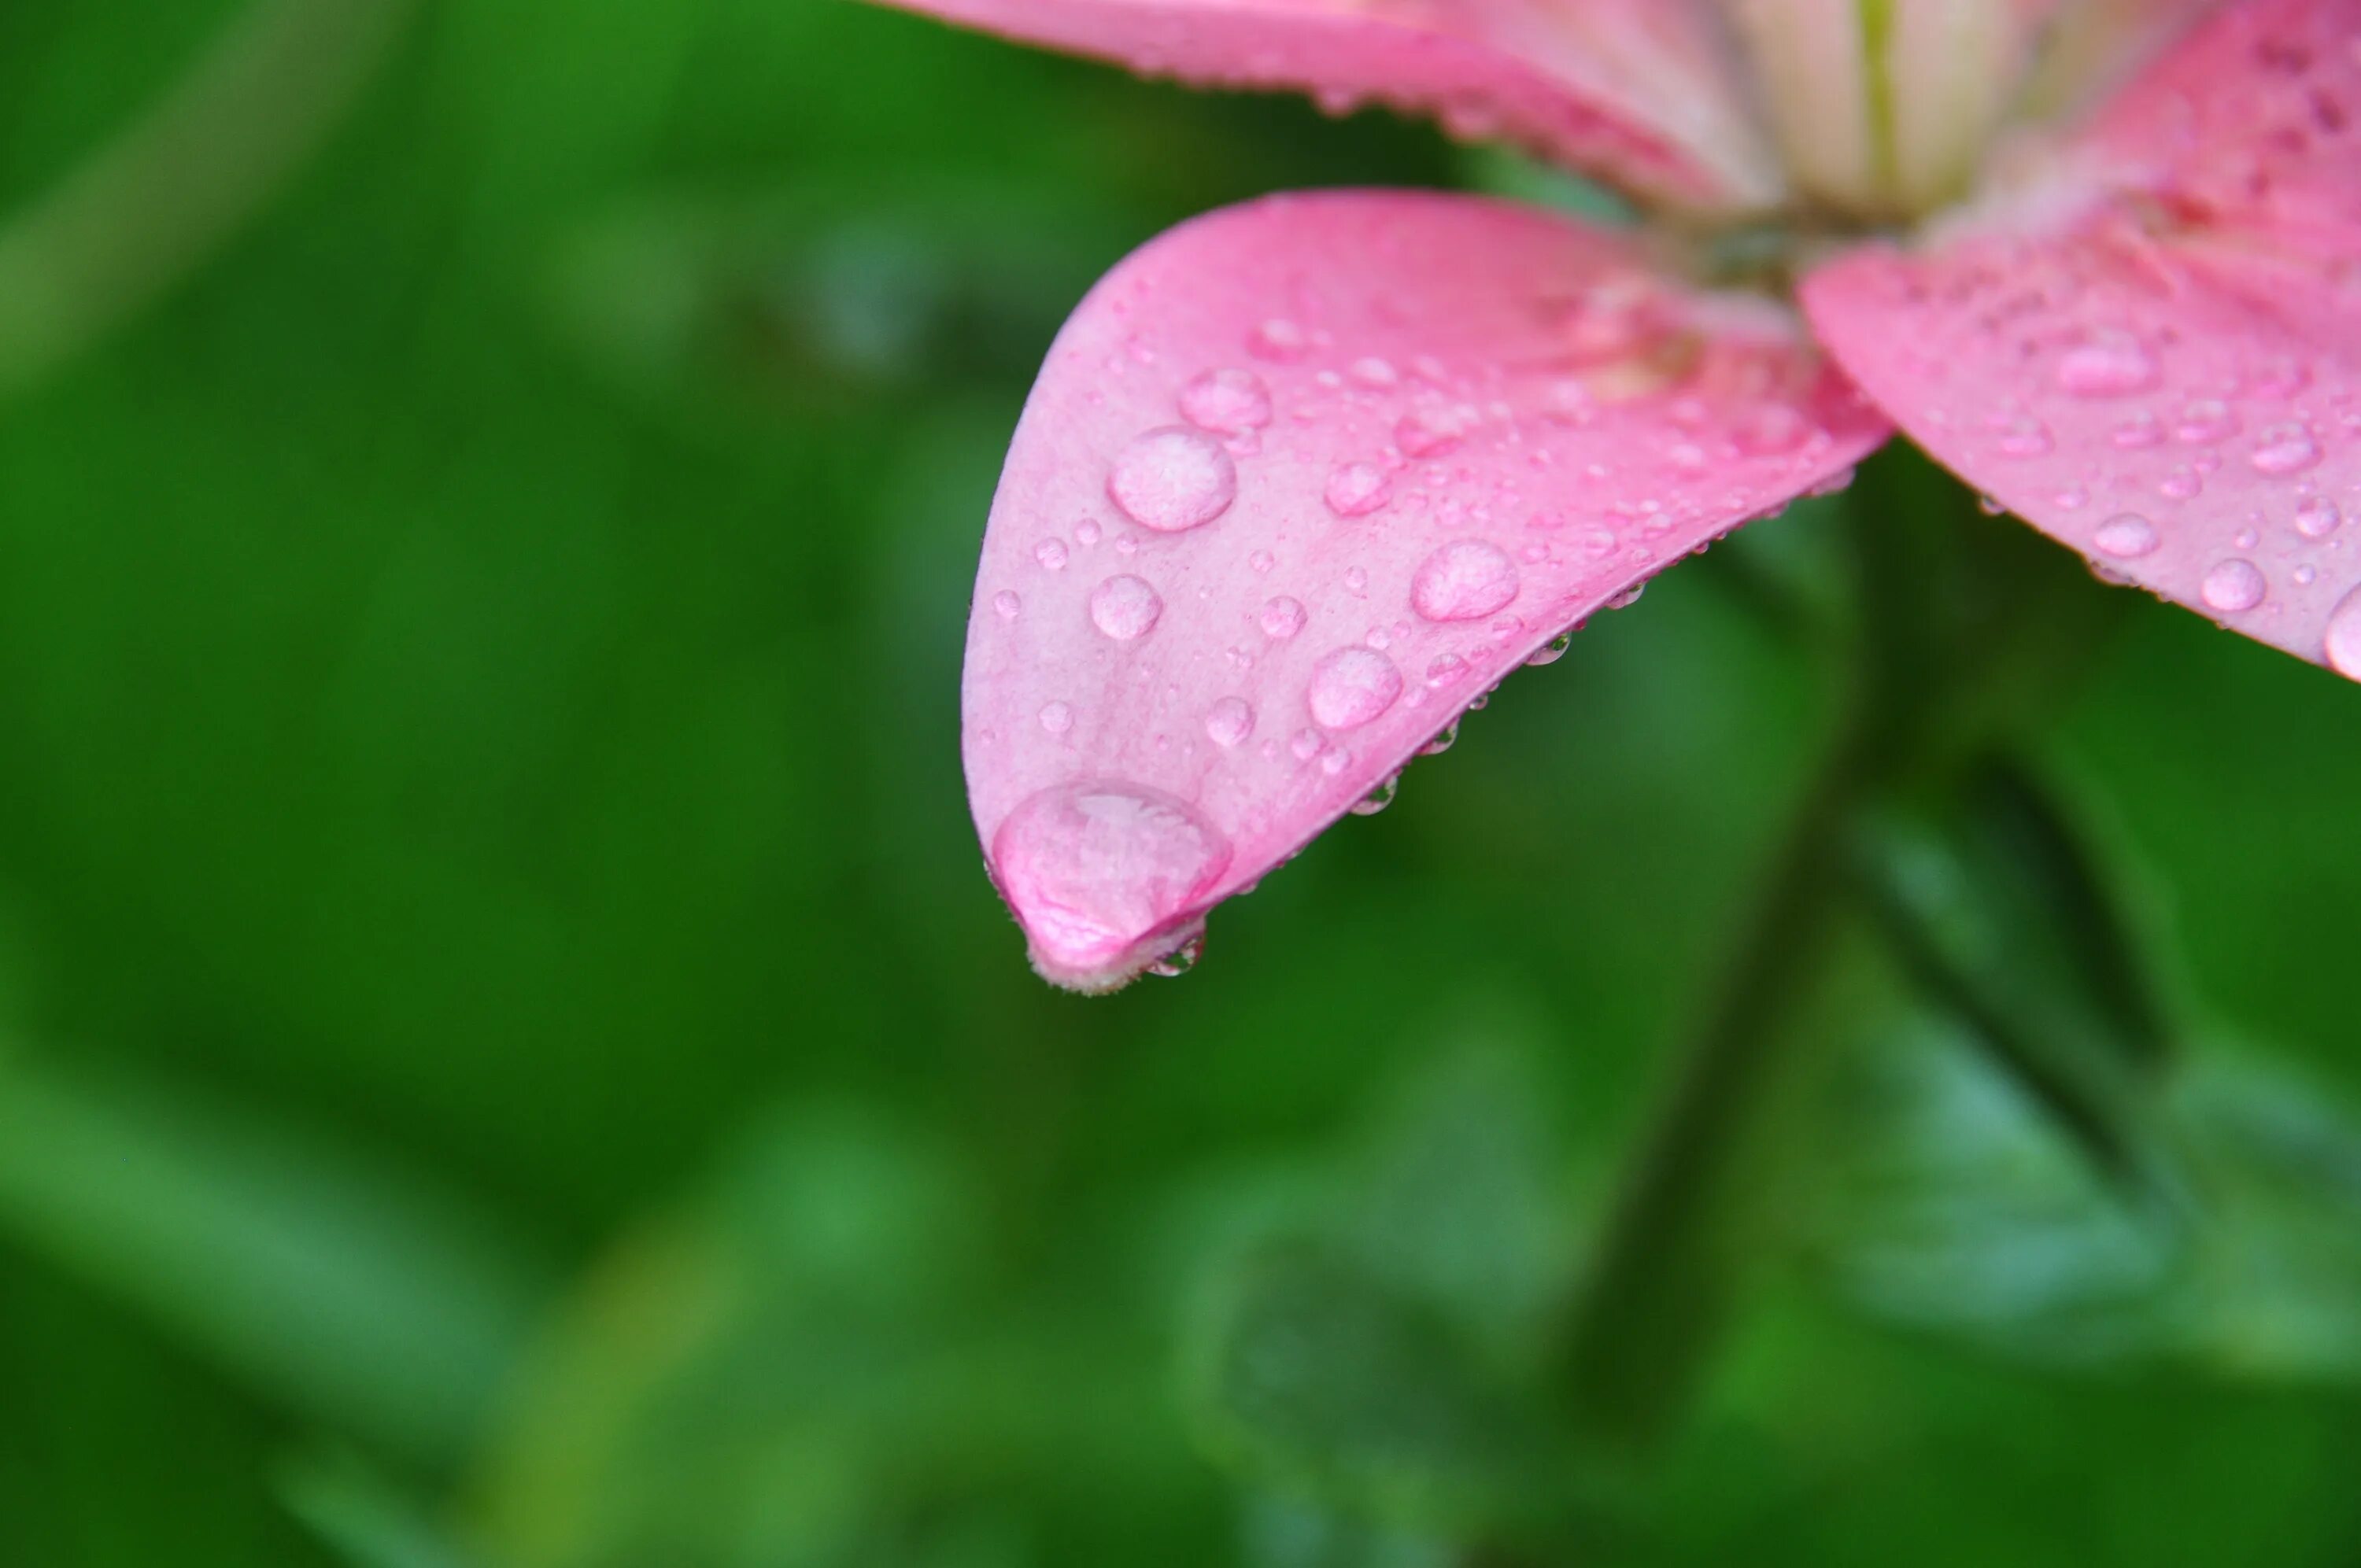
[(1304, 477)]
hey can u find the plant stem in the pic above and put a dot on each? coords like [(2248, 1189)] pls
[(1661, 1284)]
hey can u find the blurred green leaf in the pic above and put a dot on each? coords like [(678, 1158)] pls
[(1312, 1373), (362, 1515), (1998, 905), (364, 1298)]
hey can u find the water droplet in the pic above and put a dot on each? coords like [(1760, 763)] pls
[(1094, 867), (2025, 436), (1125, 608), (1378, 799), (2317, 517), (1227, 402), (2284, 449), (2126, 536), (1834, 485), (2141, 429), (1351, 686), (2232, 586), (1056, 717), (1464, 580), (2344, 638), (1283, 617), (1172, 479), (2110, 367), (2179, 485), (1445, 738), (1262, 561), (1445, 669), (1357, 581), (1427, 434), (1307, 744), (1006, 605), (1229, 721), (1052, 553), (1628, 597), (1086, 532), (1356, 490), (1551, 652), (1280, 339), (1181, 960), (2207, 418), (1375, 372)]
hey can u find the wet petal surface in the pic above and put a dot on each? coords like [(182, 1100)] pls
[(1641, 91), (1301, 481), (2168, 377)]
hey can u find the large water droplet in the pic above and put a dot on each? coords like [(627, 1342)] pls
[(1283, 617), (2111, 367), (1230, 721), (2343, 637), (1125, 608), (1356, 490), (2233, 586), (1351, 686), (1227, 402), (2284, 449), (2126, 536), (1463, 580), (1091, 868), (1172, 479)]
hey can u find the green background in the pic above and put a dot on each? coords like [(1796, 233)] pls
[(511, 1058)]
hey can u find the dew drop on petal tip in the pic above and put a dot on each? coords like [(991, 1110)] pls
[(1352, 687), (1126, 608), (1173, 479), (2126, 536), (2233, 586), (1092, 867)]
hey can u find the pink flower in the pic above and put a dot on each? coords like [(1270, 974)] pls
[(1303, 479)]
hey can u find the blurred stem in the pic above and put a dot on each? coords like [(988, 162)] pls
[(150, 207), (1965, 627)]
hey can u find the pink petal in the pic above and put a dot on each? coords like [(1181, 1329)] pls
[(1640, 90), (2167, 375), (1300, 481)]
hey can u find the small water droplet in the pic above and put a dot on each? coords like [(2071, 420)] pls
[(1351, 686), (1278, 339), (1181, 960), (1283, 617), (1126, 608), (1227, 402), (2284, 449), (1307, 744), (1356, 490), (1056, 717), (1357, 581), (2233, 586), (2142, 429), (1006, 605), (1262, 561), (1445, 669), (2207, 418), (2343, 637), (1230, 721), (1173, 479), (1427, 434), (2025, 436), (1378, 799), (1376, 373), (2317, 517), (1445, 738), (1463, 580), (2181, 485), (2126, 536), (2114, 366), (1086, 532), (1052, 553), (1551, 652)]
